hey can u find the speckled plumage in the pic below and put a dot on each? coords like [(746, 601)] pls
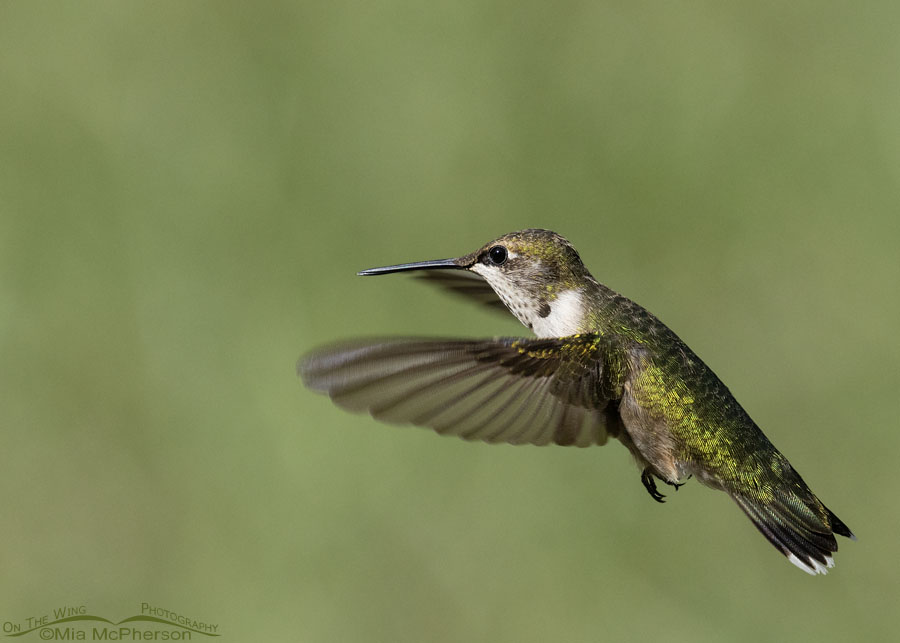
[(601, 366)]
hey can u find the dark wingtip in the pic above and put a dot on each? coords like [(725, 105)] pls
[(299, 367), (838, 526), (303, 371)]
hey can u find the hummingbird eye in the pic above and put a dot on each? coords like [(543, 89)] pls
[(498, 255)]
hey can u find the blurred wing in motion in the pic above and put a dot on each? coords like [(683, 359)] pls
[(519, 391), (465, 284)]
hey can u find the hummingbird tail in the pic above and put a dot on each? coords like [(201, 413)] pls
[(801, 528)]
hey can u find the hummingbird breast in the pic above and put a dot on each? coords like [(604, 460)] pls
[(650, 439)]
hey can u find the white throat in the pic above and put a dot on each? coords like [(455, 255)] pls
[(557, 317), (565, 317)]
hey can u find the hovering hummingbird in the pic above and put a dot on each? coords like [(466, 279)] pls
[(601, 366)]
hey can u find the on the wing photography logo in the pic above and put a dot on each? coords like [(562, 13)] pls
[(74, 623)]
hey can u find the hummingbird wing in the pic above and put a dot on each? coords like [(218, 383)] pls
[(519, 391), (464, 284)]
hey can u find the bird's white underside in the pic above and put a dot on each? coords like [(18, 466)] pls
[(565, 318)]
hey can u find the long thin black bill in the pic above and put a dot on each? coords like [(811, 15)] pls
[(418, 265)]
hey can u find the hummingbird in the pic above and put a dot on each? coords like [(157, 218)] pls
[(600, 366)]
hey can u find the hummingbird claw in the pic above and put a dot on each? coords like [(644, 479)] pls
[(650, 486), (677, 485)]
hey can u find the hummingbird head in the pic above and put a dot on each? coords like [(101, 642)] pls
[(536, 273)]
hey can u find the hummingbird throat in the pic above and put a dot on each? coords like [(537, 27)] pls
[(557, 317)]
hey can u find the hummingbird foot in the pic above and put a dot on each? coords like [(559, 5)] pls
[(650, 485)]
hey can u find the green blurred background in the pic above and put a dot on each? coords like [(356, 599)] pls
[(186, 192)]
